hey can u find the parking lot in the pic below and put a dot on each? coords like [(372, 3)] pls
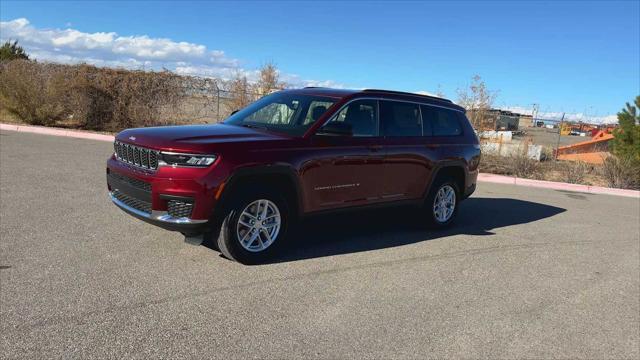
[(526, 272)]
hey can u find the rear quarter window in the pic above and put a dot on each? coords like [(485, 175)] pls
[(441, 121)]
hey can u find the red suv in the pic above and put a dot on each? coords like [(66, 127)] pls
[(291, 154)]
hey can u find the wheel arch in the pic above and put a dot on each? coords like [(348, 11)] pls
[(454, 169), (279, 176)]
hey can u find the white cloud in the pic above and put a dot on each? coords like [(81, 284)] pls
[(134, 52), (296, 80), (554, 115)]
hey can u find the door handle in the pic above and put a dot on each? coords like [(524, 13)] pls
[(431, 146), (375, 148)]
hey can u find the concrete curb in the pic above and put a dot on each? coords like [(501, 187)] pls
[(490, 178), (501, 179), (56, 132)]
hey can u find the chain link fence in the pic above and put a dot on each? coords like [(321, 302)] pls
[(206, 105)]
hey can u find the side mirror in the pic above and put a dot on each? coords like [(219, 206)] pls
[(335, 128)]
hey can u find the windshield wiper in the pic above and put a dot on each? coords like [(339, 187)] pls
[(253, 126)]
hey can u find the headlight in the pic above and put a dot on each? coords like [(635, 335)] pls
[(177, 159)]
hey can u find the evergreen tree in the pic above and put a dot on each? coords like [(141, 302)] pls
[(626, 142), (12, 51)]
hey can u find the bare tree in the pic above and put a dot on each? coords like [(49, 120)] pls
[(239, 92), (269, 79), (478, 100)]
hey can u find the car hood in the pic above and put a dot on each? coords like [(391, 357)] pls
[(193, 137)]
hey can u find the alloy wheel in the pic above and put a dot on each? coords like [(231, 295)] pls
[(258, 225), (444, 204)]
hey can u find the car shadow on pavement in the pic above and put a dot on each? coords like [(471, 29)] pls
[(353, 232)]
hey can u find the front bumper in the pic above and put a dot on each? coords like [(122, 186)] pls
[(173, 199), (470, 186), (162, 218)]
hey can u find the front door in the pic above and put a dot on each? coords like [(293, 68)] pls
[(346, 170)]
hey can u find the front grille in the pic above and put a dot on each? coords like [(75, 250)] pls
[(139, 184), (136, 156), (137, 204), (179, 209)]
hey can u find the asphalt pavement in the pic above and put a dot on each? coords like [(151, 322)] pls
[(525, 273)]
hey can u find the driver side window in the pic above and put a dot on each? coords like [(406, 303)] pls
[(361, 115)]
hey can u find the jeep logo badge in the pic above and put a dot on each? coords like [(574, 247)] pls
[(132, 138)]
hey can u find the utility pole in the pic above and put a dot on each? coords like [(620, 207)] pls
[(534, 114), (559, 132)]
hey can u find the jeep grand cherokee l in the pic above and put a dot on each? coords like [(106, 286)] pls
[(295, 153)]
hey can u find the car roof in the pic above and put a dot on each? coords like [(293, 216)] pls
[(387, 94)]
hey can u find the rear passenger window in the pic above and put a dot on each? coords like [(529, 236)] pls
[(441, 122), (400, 119)]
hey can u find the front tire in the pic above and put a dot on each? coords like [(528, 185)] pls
[(255, 227), (441, 205)]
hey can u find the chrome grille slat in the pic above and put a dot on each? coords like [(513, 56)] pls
[(144, 158), (153, 159), (130, 154), (136, 155)]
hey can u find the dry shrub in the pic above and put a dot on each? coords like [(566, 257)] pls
[(108, 99), (33, 92), (621, 173), (115, 99), (96, 98), (495, 164), (523, 166), (519, 165), (574, 172)]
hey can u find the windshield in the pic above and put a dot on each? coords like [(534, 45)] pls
[(292, 114)]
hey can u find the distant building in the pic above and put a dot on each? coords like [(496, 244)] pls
[(498, 120), (525, 121)]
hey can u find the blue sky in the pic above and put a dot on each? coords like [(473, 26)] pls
[(576, 57)]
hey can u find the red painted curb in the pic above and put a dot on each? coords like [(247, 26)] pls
[(490, 178)]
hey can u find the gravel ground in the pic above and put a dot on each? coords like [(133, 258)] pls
[(549, 137), (525, 273)]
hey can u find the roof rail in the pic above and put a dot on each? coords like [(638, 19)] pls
[(408, 93)]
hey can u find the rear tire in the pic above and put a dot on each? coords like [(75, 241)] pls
[(255, 228), (441, 206)]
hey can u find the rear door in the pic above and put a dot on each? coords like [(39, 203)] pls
[(408, 160)]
